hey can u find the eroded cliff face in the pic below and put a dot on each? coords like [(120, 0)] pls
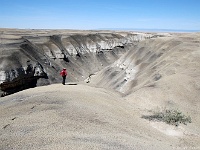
[(46, 52), (153, 62)]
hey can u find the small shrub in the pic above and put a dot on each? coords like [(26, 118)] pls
[(172, 117)]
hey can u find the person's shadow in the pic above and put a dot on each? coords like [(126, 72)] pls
[(71, 84)]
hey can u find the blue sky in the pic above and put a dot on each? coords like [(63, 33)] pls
[(97, 14)]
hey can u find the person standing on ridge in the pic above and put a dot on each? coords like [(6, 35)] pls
[(63, 73)]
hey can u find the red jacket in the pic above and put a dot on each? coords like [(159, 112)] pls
[(63, 73)]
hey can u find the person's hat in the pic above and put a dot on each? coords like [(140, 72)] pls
[(64, 68)]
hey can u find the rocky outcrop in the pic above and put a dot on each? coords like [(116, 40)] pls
[(21, 78), (47, 53)]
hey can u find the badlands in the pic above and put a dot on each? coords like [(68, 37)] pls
[(115, 78)]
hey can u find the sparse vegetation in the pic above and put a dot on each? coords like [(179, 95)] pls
[(169, 116)]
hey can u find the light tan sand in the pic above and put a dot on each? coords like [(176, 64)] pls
[(82, 117)]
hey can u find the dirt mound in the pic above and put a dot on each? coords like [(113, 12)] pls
[(77, 116)]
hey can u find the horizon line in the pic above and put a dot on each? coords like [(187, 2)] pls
[(113, 29)]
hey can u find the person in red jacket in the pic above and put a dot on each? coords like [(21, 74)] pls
[(63, 73)]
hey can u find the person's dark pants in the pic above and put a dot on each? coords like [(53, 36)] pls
[(64, 78)]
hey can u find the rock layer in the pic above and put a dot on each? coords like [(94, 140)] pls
[(149, 61), (82, 53)]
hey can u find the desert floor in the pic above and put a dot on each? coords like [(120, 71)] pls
[(78, 116)]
